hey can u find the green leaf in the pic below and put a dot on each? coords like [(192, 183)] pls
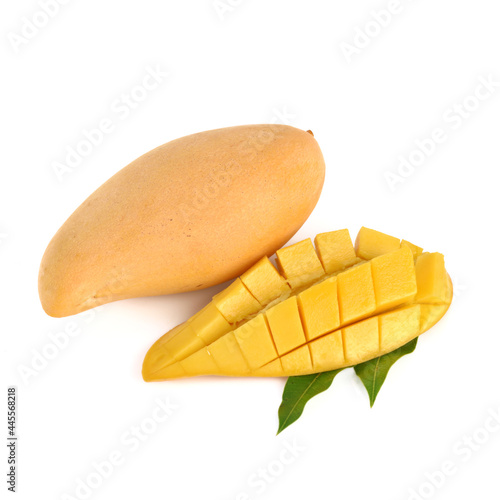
[(298, 391), (373, 373)]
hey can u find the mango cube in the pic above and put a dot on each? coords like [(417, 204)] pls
[(398, 327), (335, 250), (328, 352), (371, 243), (272, 369), (414, 249), (255, 341), (264, 282), (167, 372), (319, 308), (161, 354), (299, 359), (432, 279), (394, 278), (236, 302), (299, 263), (285, 324), (356, 293), (209, 324), (228, 356), (185, 342), (430, 315), (200, 361), (361, 341)]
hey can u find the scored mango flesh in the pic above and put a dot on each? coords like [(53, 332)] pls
[(333, 307)]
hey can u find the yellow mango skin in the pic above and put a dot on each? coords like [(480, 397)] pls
[(190, 214), (362, 312)]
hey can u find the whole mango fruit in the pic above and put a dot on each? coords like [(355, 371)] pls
[(190, 214)]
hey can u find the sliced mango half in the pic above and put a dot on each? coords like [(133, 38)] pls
[(324, 308)]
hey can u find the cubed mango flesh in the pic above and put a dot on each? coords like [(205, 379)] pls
[(431, 278), (371, 243), (185, 342), (356, 293), (416, 251), (209, 324), (300, 264), (328, 352), (227, 355), (335, 250), (430, 314), (398, 327), (201, 360), (324, 323), (299, 359), (174, 370), (256, 342), (286, 326), (319, 308), (236, 302), (361, 341), (272, 369), (264, 282), (161, 354), (394, 278)]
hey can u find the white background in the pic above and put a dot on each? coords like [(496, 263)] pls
[(255, 62)]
